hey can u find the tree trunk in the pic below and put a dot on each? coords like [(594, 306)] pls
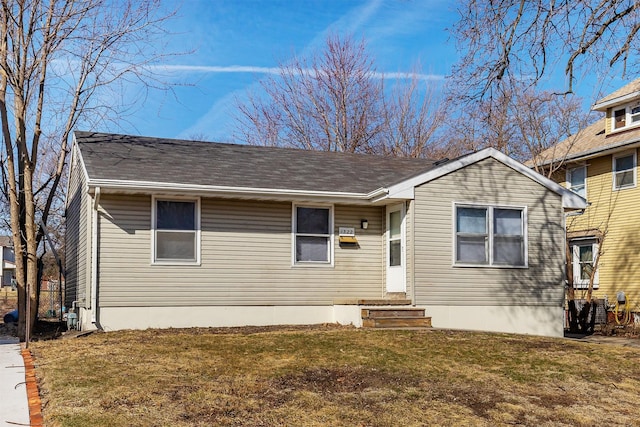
[(571, 293)]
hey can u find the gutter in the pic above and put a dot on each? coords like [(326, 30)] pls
[(224, 191), (94, 253)]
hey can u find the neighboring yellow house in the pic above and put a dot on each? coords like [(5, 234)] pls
[(600, 163)]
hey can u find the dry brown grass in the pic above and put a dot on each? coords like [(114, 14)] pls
[(334, 376)]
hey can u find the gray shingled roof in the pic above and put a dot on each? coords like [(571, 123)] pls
[(136, 158)]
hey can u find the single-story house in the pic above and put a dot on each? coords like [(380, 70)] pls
[(172, 233)]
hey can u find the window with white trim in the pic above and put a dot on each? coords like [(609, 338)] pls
[(584, 253), (577, 180), (626, 116), (313, 227), (624, 171), (176, 231), (490, 235), (619, 118)]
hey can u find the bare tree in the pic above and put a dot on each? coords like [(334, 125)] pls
[(57, 58), (524, 41), (543, 120), (413, 114), (336, 101), (522, 123), (596, 225)]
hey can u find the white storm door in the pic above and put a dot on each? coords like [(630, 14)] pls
[(395, 249)]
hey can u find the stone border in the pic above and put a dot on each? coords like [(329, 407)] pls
[(33, 396)]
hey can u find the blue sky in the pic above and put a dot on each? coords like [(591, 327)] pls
[(234, 42)]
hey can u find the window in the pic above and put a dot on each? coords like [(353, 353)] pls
[(626, 116), (472, 232), (176, 231), (312, 234), (395, 238), (584, 253), (577, 180), (493, 236), (635, 115), (624, 171), (620, 118)]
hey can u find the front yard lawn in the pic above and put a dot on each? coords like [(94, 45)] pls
[(334, 376)]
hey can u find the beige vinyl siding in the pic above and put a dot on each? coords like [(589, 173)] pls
[(488, 182), (608, 121), (246, 258), (77, 255)]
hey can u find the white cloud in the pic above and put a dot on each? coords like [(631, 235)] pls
[(212, 69)]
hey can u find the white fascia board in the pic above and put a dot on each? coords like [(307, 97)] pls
[(570, 200), (147, 187), (603, 106)]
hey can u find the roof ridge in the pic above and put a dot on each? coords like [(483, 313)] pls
[(138, 138)]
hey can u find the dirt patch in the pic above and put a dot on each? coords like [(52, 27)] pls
[(41, 332), (250, 330), (345, 379)]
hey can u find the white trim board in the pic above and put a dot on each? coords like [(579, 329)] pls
[(405, 189)]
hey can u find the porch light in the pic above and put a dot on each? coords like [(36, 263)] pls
[(364, 224)]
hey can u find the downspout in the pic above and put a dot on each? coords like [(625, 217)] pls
[(94, 254)]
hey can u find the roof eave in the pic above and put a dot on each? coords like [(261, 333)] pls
[(596, 152), (151, 187), (603, 106)]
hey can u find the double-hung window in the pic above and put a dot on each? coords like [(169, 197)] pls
[(312, 234), (624, 171), (577, 180), (584, 252), (176, 231), (490, 235)]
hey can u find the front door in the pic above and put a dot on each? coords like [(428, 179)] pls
[(395, 249)]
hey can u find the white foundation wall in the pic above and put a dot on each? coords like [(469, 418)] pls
[(532, 320), (84, 322), (118, 318)]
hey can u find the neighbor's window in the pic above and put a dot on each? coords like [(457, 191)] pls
[(176, 230), (620, 118), (577, 179), (312, 234), (624, 171), (493, 236), (584, 253), (626, 116), (635, 115)]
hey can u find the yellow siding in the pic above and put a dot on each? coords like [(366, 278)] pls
[(617, 213), (246, 258)]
